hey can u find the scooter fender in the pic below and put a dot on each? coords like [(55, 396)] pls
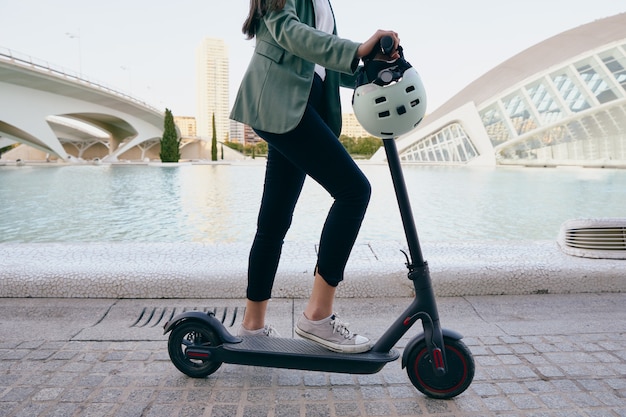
[(420, 338), (204, 318)]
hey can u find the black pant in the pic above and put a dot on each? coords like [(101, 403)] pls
[(310, 149)]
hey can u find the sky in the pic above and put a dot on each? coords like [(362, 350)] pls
[(147, 47)]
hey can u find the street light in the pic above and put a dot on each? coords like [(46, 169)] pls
[(130, 81), (80, 54)]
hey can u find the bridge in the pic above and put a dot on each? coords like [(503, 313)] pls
[(61, 113)]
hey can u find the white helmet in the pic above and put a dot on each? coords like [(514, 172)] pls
[(393, 102)]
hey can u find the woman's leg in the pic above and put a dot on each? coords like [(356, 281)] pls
[(316, 150), (313, 149), (254, 317), (282, 187), (321, 301)]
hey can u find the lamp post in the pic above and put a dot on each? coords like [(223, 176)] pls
[(80, 53), (130, 81)]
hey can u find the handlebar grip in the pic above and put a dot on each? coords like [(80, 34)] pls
[(386, 45)]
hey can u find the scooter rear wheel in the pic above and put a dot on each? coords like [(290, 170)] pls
[(192, 334), (460, 365)]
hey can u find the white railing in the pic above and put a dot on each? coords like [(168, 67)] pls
[(34, 64)]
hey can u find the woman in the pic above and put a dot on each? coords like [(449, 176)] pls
[(290, 97)]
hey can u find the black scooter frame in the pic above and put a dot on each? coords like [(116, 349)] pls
[(306, 355)]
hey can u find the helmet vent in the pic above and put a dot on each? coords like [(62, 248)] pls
[(415, 102), (380, 100), (384, 114), (410, 89)]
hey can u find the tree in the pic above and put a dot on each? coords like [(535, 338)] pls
[(214, 142), (8, 148), (261, 148), (170, 142), (363, 147), (234, 145)]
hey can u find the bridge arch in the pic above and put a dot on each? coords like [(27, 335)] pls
[(39, 102)]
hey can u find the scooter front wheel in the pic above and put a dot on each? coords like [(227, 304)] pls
[(192, 334), (460, 365)]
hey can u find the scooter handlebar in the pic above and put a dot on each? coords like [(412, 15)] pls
[(386, 45)]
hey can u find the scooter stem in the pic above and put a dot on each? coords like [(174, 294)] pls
[(416, 258), (424, 305)]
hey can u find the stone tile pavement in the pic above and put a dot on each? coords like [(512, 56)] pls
[(536, 355)]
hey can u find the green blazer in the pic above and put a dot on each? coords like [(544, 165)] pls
[(275, 88)]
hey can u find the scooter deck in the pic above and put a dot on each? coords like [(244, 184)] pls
[(300, 354)]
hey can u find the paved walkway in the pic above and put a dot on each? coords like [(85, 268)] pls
[(536, 355)]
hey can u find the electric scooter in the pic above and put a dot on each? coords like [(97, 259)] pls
[(437, 362)]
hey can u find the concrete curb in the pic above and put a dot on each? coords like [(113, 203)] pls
[(200, 270)]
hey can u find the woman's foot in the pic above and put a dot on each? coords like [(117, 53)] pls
[(333, 334), (268, 330)]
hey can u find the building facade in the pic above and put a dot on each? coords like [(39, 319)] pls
[(351, 126), (560, 102), (186, 125), (212, 88)]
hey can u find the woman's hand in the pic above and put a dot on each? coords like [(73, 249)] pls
[(373, 43)]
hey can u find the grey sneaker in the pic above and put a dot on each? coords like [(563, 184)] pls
[(268, 331), (333, 334)]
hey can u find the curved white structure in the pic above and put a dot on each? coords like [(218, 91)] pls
[(594, 238), (560, 102), (54, 112)]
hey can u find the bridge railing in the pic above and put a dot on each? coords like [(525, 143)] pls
[(35, 64)]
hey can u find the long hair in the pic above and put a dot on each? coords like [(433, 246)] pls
[(258, 9)]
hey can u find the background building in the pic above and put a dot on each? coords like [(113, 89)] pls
[(241, 133), (212, 88), (186, 125), (351, 126), (236, 131), (560, 102)]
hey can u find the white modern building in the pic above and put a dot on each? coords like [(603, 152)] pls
[(560, 102), (212, 88)]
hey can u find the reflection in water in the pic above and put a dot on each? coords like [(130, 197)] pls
[(219, 203)]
